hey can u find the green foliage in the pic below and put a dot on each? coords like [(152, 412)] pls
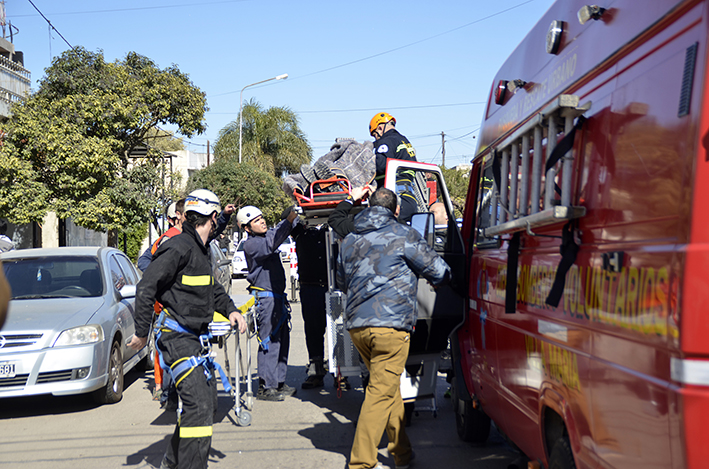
[(243, 184), (22, 195), (272, 140), (457, 184), (133, 236), (68, 144), (163, 140)]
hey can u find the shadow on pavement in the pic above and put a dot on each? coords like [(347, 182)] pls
[(46, 404), (339, 407)]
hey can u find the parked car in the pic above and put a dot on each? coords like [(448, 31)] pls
[(285, 249), (221, 266), (238, 262), (69, 320)]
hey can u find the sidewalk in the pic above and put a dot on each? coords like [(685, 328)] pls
[(315, 428)]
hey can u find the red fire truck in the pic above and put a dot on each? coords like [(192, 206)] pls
[(586, 337)]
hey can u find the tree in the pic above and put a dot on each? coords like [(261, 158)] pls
[(243, 184), (457, 184), (163, 140), (272, 139), (68, 145)]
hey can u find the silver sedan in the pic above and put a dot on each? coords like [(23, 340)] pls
[(69, 320)]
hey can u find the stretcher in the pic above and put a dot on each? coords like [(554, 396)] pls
[(221, 330)]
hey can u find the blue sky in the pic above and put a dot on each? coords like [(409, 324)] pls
[(429, 64)]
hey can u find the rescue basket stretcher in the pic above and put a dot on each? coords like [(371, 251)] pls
[(221, 330), (321, 197)]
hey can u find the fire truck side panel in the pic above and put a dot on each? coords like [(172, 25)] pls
[(612, 365), (695, 295)]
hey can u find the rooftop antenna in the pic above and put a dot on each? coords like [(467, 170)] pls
[(3, 19)]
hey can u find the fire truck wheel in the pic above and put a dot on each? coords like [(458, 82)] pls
[(473, 425), (561, 456)]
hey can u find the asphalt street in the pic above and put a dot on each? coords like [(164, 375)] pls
[(313, 429)]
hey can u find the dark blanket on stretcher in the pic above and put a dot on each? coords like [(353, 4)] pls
[(347, 158)]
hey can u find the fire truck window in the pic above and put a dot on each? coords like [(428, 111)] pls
[(484, 213), (415, 188)]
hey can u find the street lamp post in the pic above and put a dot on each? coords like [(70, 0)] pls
[(241, 104)]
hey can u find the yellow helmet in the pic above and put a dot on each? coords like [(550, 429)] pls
[(380, 118)]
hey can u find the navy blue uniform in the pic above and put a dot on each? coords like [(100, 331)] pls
[(394, 145), (267, 281), (312, 276)]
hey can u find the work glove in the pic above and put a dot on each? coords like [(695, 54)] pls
[(287, 212)]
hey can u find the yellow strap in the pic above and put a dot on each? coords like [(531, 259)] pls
[(246, 306), (195, 432), (243, 309), (217, 317), (197, 280), (185, 374)]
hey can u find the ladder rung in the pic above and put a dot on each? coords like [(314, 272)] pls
[(520, 188), (537, 220)]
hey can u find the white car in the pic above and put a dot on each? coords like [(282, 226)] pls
[(285, 249), (69, 322), (238, 261)]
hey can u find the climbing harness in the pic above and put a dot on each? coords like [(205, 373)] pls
[(285, 315), (184, 366)]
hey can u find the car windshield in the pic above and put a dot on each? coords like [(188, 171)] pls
[(53, 277), (240, 247)]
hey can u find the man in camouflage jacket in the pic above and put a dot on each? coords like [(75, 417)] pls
[(377, 268)]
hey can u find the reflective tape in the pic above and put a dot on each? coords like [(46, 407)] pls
[(195, 432), (197, 280), (690, 371)]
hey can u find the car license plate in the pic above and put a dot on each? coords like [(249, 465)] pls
[(7, 370)]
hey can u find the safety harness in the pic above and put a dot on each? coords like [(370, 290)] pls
[(184, 366), (285, 314)]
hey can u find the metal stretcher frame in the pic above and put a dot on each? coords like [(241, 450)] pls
[(243, 402)]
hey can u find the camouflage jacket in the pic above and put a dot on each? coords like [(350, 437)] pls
[(377, 268)]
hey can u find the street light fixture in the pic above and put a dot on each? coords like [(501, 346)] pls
[(241, 104)]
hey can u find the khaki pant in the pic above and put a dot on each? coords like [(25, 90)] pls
[(384, 351)]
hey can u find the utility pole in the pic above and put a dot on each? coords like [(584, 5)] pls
[(443, 149)]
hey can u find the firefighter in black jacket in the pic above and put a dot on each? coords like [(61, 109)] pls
[(389, 143), (180, 278)]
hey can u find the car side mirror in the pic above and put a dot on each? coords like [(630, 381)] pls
[(425, 225), (128, 291)]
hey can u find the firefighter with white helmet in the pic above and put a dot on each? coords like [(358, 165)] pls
[(246, 214), (180, 278), (267, 282)]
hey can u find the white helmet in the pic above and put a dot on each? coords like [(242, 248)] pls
[(203, 202), (246, 214), (172, 210)]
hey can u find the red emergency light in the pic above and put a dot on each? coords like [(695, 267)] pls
[(500, 91)]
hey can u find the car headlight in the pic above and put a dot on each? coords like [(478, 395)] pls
[(80, 336)]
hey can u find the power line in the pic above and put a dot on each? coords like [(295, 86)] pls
[(393, 108), (424, 106), (396, 48), (117, 10), (50, 24), (415, 42)]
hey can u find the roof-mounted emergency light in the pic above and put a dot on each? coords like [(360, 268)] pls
[(500, 91), (503, 86), (554, 36), (590, 12)]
